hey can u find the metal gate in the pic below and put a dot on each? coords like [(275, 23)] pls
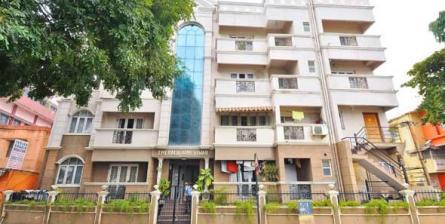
[(176, 208)]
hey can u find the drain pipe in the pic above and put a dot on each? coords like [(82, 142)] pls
[(327, 102)]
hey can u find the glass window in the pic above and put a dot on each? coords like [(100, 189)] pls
[(287, 83), (81, 122), (252, 121), (125, 173), (306, 27), (262, 120), (3, 118), (326, 166), (225, 121), (283, 41), (243, 121), (70, 171), (185, 123), (139, 123), (311, 66), (234, 121)]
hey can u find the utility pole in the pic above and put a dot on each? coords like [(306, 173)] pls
[(419, 153)]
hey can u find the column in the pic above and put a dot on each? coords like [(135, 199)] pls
[(195, 203), (206, 163), (150, 173), (333, 197), (409, 197), (261, 204), (102, 196), (155, 195), (159, 169)]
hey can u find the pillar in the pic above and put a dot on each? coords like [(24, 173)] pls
[(155, 195), (102, 196), (195, 203), (159, 170), (408, 195), (261, 204), (333, 197), (150, 173)]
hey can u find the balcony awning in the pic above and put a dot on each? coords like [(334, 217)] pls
[(245, 109)]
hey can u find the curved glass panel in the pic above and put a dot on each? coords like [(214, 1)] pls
[(185, 122)]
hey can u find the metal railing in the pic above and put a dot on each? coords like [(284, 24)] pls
[(230, 198), (380, 134), (433, 195), (363, 197), (145, 197), (29, 196)]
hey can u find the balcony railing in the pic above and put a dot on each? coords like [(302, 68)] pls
[(350, 40), (235, 86), (241, 45), (262, 135), (308, 133), (380, 134), (295, 82), (371, 82), (287, 2), (344, 2), (130, 137)]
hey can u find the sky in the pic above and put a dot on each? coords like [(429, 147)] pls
[(403, 26)]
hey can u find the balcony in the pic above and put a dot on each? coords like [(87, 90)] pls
[(302, 133), (109, 138), (244, 135), (345, 12), (363, 90), (354, 47), (287, 47), (296, 90), (241, 51), (232, 93)]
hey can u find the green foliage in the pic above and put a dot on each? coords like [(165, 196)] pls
[(208, 207), (244, 208), (164, 187), (322, 203), (428, 76), (429, 202), (379, 205), (30, 203), (437, 27), (269, 172), (127, 206), (79, 204), (271, 207), (398, 204), (219, 197), (292, 206), (205, 179), (69, 47), (343, 204)]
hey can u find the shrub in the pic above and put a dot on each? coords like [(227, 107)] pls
[(292, 206), (219, 197), (349, 204), (322, 203), (430, 202), (271, 207), (208, 207), (164, 187), (80, 204), (398, 204), (244, 207), (379, 205), (128, 206)]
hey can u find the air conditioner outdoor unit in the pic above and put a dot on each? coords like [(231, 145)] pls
[(319, 130)]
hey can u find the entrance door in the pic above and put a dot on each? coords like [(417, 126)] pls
[(372, 126), (176, 208)]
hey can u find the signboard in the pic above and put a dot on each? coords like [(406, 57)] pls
[(17, 155), (305, 207), (183, 153)]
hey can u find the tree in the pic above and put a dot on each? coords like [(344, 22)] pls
[(66, 48), (429, 77)]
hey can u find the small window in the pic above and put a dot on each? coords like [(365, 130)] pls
[(17, 122), (123, 173), (139, 123), (243, 121), (262, 120), (234, 121), (3, 118), (311, 66), (81, 122), (326, 166), (242, 76), (70, 171), (348, 41), (234, 75), (358, 82), (306, 27), (342, 121), (252, 121), (225, 121)]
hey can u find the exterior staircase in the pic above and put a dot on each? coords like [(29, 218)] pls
[(378, 162)]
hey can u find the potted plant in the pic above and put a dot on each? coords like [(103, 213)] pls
[(205, 179), (164, 188)]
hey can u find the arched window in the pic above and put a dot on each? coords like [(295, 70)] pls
[(185, 123), (70, 171), (81, 122)]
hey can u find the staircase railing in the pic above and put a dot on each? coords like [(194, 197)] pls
[(359, 143), (380, 134)]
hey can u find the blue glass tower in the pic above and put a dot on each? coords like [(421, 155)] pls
[(185, 122)]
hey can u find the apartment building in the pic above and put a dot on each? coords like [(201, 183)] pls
[(291, 81), (26, 111), (424, 153)]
